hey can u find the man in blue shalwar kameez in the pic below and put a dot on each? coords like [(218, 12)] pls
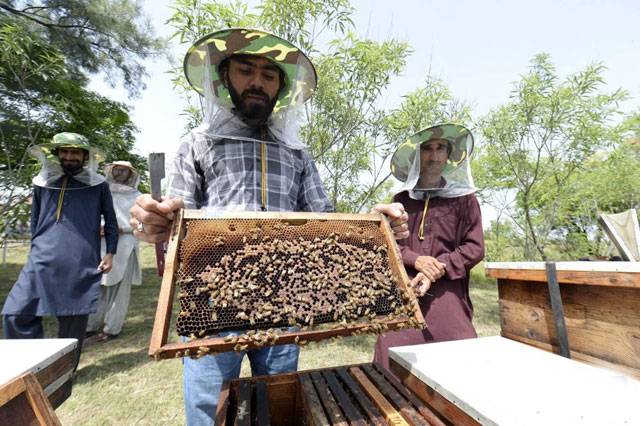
[(63, 271)]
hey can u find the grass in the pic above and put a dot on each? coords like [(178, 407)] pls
[(117, 383)]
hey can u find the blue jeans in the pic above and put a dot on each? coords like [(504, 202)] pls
[(203, 378)]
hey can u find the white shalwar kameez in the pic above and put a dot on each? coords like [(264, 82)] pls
[(115, 290)]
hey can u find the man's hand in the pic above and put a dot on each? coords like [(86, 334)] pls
[(420, 284), (106, 263), (151, 220), (430, 267), (397, 218)]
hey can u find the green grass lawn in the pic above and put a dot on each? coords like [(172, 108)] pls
[(117, 383)]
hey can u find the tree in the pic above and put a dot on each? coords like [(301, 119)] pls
[(39, 97), (343, 120), (108, 36), (607, 184), (349, 134), (539, 143)]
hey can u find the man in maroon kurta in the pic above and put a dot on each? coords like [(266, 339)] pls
[(446, 238)]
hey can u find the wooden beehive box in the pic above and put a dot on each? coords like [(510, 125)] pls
[(279, 278), (363, 394), (50, 360), (601, 303)]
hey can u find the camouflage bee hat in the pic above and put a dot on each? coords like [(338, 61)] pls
[(47, 155), (300, 75), (459, 136), (68, 140)]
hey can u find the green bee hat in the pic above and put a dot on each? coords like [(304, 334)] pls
[(459, 136), (68, 140), (51, 171), (300, 75)]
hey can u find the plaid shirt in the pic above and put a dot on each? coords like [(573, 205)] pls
[(226, 174)]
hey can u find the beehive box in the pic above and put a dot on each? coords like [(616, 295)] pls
[(363, 394), (279, 278), (600, 304)]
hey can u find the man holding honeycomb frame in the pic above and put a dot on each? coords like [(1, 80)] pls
[(245, 156)]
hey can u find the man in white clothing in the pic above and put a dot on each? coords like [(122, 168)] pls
[(115, 291)]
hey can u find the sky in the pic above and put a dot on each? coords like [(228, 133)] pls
[(478, 48)]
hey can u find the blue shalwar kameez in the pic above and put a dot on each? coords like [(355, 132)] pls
[(61, 276)]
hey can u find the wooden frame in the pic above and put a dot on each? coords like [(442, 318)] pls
[(22, 401), (160, 349), (600, 303)]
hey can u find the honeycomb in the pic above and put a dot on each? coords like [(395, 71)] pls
[(239, 274)]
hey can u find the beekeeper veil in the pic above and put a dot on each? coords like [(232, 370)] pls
[(221, 118), (122, 176), (456, 179), (52, 173)]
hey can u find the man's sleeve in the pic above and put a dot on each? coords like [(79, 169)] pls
[(110, 220), (409, 256), (185, 178), (471, 249), (35, 209), (312, 197)]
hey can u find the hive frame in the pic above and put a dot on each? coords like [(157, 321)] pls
[(160, 349)]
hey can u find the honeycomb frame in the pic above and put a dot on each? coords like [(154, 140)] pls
[(189, 225)]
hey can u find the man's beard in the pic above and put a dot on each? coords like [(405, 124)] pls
[(254, 113), (71, 168)]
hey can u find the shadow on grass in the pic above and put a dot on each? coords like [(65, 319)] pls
[(112, 364)]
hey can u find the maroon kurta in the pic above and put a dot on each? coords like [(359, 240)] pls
[(453, 235)]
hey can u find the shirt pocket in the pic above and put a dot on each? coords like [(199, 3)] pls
[(442, 223), (229, 171)]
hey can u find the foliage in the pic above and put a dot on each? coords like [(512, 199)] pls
[(40, 97), (108, 36), (538, 144), (607, 184), (348, 132), (343, 120), (502, 242)]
